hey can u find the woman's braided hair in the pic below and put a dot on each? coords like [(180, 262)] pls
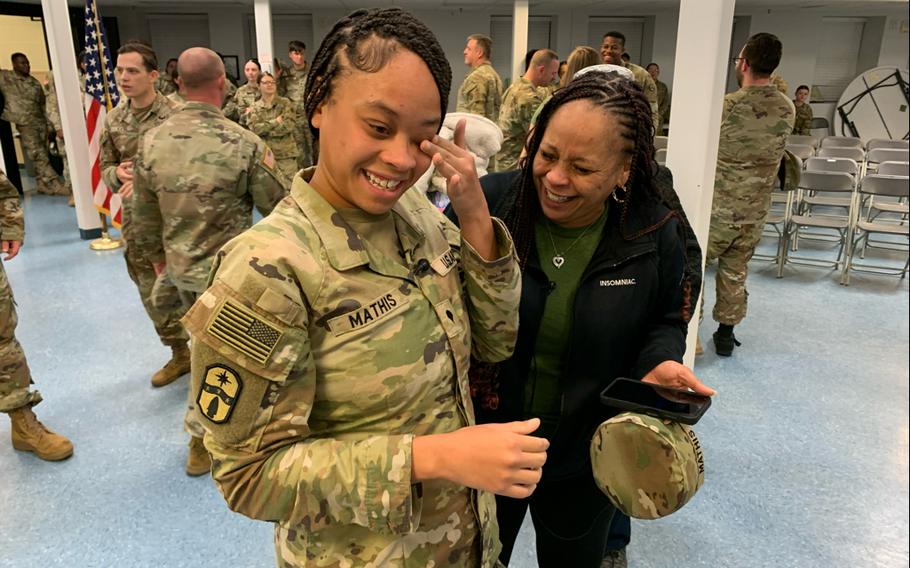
[(623, 100), (366, 40)]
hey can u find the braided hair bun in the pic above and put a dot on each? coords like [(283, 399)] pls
[(366, 40)]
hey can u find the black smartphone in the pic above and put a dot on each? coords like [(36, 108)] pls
[(654, 400)]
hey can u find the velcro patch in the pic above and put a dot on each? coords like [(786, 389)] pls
[(268, 158), (444, 263), (244, 331), (380, 308), (218, 393)]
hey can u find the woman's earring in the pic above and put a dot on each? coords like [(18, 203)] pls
[(625, 194)]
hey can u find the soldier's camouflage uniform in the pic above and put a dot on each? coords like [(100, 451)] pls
[(243, 99), (52, 111), (644, 80), (318, 358), (24, 107), (780, 83), (292, 85), (481, 92), (280, 135), (803, 123), (519, 102), (165, 85), (663, 104), (176, 97), (196, 179), (229, 91), (123, 128), (14, 375), (753, 134)]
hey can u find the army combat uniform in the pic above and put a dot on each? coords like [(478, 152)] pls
[(663, 104), (519, 102), (327, 341), (24, 107), (292, 85), (52, 111), (243, 99), (803, 123), (16, 395), (165, 85), (753, 134), (124, 127), (280, 135), (481, 92), (197, 177)]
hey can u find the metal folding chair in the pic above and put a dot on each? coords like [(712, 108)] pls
[(876, 156), (841, 142), (876, 185), (802, 151), (661, 156), (854, 153), (820, 123), (874, 143), (831, 182), (803, 139), (660, 142)]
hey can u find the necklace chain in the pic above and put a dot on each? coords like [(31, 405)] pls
[(559, 258)]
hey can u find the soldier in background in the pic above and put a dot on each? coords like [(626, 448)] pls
[(274, 119), (141, 110), (292, 85), (756, 122), (247, 94), (611, 50), (52, 110), (663, 96), (16, 396), (803, 123), (481, 91), (197, 177), (24, 106), (166, 81), (519, 102)]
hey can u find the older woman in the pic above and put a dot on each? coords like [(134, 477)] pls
[(606, 293), (274, 119), (246, 95)]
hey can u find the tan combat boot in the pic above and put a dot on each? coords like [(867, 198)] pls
[(198, 461), (30, 435), (178, 366), (698, 348)]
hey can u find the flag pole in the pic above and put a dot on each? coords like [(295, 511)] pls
[(105, 242)]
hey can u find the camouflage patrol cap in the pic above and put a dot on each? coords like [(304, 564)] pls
[(647, 467)]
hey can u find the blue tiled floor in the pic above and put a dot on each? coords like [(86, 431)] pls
[(806, 444)]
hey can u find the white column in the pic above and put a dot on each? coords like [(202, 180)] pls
[(702, 48), (520, 14), (72, 115), (262, 13)]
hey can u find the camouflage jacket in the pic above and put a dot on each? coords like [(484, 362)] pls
[(481, 92), (24, 99), (316, 361), (802, 125), (165, 85), (279, 134), (196, 178), (12, 222), (753, 134), (242, 100), (51, 107), (519, 102), (230, 89), (644, 80), (663, 101), (292, 84), (122, 131)]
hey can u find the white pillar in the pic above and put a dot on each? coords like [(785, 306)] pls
[(520, 14), (72, 115), (262, 13), (700, 72)]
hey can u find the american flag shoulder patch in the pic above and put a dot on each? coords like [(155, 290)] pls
[(244, 331), (268, 158)]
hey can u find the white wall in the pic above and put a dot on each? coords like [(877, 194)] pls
[(895, 42)]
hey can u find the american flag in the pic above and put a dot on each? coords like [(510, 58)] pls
[(101, 95)]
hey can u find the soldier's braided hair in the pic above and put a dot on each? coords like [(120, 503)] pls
[(366, 40), (625, 101)]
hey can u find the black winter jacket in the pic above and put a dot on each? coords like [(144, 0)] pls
[(631, 313)]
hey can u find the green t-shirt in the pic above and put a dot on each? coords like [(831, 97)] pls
[(543, 394)]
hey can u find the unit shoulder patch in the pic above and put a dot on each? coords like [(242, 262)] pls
[(219, 392)]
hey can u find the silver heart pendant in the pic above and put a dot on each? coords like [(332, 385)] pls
[(558, 261)]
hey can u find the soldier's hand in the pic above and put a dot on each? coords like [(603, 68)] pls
[(60, 134), (125, 171), (125, 190), (678, 376), (10, 249), (500, 458)]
